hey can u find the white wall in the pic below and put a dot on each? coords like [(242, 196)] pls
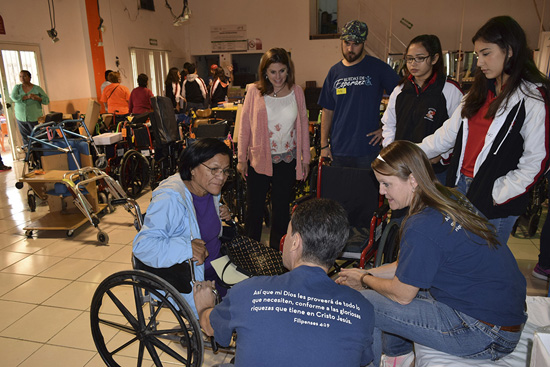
[(64, 63), (284, 23), (133, 28), (67, 64)]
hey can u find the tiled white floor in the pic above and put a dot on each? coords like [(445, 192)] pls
[(47, 282)]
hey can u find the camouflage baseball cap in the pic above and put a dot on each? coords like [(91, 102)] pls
[(355, 31)]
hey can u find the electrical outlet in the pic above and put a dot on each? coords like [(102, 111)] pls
[(117, 62)]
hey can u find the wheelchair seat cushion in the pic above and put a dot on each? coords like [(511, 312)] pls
[(178, 275), (358, 237)]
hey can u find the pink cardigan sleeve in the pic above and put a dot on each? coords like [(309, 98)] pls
[(244, 130)]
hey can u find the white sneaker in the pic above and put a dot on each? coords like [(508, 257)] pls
[(406, 360)]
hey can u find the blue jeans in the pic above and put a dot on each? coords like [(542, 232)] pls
[(435, 325), (503, 226)]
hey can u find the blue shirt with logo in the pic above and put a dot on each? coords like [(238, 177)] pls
[(461, 270), (354, 94)]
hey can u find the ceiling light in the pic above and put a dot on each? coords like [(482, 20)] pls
[(52, 33)]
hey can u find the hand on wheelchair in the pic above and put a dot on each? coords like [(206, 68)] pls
[(351, 278), (204, 295), (200, 253), (225, 213), (326, 153)]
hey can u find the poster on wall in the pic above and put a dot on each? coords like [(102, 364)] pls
[(224, 38)]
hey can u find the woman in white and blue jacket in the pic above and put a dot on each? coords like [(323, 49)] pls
[(499, 133), (183, 220)]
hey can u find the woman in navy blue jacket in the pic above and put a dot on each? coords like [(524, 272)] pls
[(423, 100)]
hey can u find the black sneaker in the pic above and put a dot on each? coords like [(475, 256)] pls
[(3, 168)]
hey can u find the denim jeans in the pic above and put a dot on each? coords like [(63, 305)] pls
[(503, 226), (435, 325)]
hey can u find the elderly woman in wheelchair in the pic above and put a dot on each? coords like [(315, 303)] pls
[(454, 288), (183, 220)]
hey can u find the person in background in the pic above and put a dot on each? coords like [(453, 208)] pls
[(184, 216), (454, 288), (542, 268), (116, 95), (300, 318), (211, 76), (140, 98), (28, 99), (423, 100), (350, 98), (183, 76), (194, 90), (218, 91), (106, 83), (172, 87), (499, 134), (273, 148)]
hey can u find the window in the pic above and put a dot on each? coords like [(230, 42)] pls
[(323, 19), (15, 61)]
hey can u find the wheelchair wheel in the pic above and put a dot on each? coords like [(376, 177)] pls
[(388, 247), (134, 173), (134, 312)]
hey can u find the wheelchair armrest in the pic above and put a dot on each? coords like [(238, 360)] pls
[(303, 199)]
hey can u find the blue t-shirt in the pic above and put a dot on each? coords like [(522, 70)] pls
[(301, 318), (354, 94), (460, 270)]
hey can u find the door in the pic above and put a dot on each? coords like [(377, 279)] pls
[(14, 58)]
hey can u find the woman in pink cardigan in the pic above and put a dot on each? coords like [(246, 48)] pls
[(273, 143)]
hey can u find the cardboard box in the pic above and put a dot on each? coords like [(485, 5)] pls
[(107, 138)]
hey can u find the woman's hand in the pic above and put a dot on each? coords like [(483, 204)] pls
[(351, 278), (199, 251), (305, 170), (243, 169), (225, 213)]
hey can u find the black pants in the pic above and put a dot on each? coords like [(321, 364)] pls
[(282, 181)]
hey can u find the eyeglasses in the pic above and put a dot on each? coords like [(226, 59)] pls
[(417, 59), (216, 171)]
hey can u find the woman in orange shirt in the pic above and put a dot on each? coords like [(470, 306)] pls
[(116, 95)]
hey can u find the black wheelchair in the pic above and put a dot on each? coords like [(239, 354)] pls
[(137, 313), (374, 235)]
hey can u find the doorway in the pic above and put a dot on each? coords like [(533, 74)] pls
[(13, 59)]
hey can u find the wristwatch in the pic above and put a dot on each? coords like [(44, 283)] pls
[(362, 280)]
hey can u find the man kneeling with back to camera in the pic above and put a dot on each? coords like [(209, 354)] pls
[(301, 318)]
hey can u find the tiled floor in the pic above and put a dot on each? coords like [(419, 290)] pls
[(47, 282)]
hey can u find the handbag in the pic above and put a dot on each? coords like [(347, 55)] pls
[(178, 275), (252, 257)]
